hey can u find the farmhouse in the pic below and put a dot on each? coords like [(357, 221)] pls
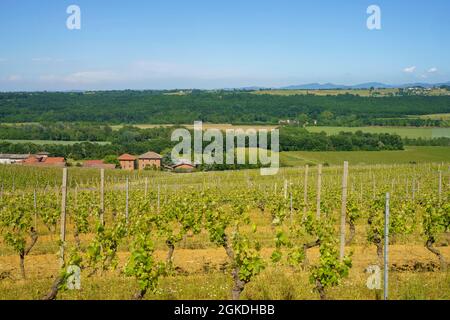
[(149, 160), (127, 161)]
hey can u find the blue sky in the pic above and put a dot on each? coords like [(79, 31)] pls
[(214, 44)]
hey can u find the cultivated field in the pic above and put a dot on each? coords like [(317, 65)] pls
[(437, 116), (176, 236), (356, 92), (405, 132), (409, 155)]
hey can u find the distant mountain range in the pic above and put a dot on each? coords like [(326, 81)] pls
[(368, 85)]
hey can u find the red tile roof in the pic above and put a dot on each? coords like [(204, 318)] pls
[(127, 157), (32, 159), (183, 164), (150, 155), (54, 160)]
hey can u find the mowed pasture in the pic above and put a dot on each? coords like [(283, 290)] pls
[(409, 155), (404, 132)]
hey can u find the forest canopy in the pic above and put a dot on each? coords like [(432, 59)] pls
[(237, 107)]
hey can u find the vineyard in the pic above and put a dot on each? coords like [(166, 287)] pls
[(306, 233)]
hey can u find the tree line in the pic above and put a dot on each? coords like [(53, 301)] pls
[(237, 107), (134, 140)]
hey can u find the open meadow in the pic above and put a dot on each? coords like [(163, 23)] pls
[(357, 92), (404, 132)]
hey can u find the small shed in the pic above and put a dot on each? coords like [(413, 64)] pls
[(43, 154), (127, 161), (183, 165)]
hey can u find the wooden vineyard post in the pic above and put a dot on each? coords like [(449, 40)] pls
[(63, 217), (291, 207), (373, 186), (159, 189), (305, 195), (35, 209), (386, 248), (361, 193), (440, 186), (146, 187), (126, 199), (343, 210), (102, 196), (285, 188), (319, 189), (406, 188)]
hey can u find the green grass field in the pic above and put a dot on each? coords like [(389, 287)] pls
[(44, 142), (331, 92), (437, 116), (410, 154), (404, 132), (356, 92)]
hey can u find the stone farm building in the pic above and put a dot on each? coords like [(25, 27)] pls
[(149, 159), (127, 161)]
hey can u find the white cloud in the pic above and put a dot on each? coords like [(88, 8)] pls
[(142, 73), (14, 77), (150, 69), (82, 77), (409, 69), (432, 70), (41, 59), (91, 77)]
